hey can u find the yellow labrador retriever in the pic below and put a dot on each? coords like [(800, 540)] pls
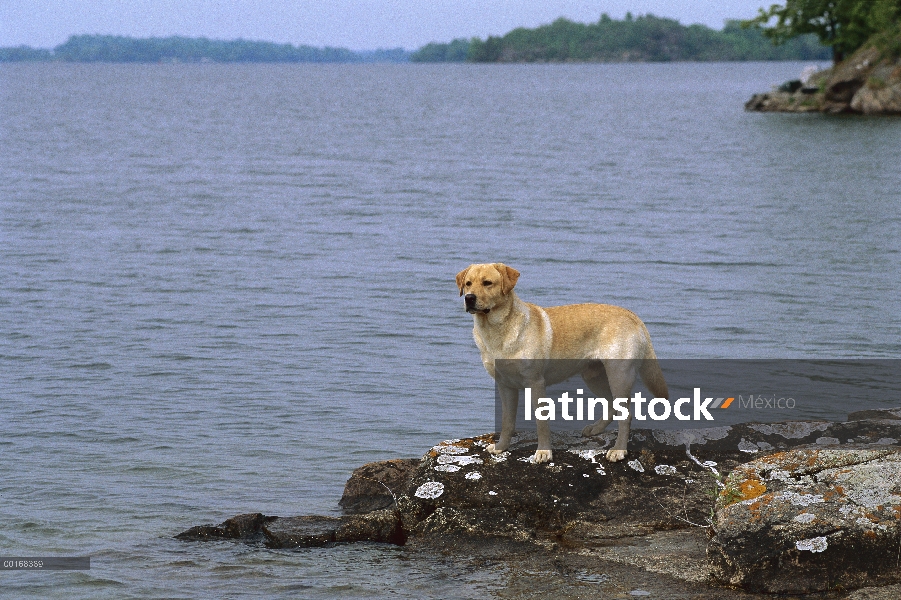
[(610, 345)]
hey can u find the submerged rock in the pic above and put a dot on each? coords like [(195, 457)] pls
[(302, 532), (810, 519)]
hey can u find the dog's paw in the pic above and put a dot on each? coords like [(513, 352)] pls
[(542, 456), (616, 455), (493, 449)]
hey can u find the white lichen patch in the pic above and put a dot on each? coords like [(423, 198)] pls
[(793, 430), (665, 470), (447, 459), (446, 468), (828, 441), (450, 449), (481, 443), (450, 442), (804, 518), (765, 446), (499, 458), (686, 437), (779, 475), (797, 499), (590, 454), (429, 490), (746, 446), (492, 493), (585, 475), (635, 466), (817, 544), (473, 475), (885, 442), (873, 497)]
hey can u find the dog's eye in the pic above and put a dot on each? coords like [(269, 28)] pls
[(468, 284), (487, 283)]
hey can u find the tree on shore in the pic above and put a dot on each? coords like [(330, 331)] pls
[(844, 25)]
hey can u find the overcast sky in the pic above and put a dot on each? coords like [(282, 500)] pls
[(354, 24)]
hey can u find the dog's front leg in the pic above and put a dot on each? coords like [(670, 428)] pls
[(509, 404), (544, 452)]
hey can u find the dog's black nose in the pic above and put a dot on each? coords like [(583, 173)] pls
[(470, 300)]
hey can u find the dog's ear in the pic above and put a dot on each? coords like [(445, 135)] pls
[(461, 278), (509, 275)]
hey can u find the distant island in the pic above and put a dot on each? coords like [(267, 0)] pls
[(645, 38), (634, 39), (120, 49)]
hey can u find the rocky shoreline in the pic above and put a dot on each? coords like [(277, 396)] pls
[(868, 83), (727, 512)]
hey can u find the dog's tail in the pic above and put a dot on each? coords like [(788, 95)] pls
[(652, 376)]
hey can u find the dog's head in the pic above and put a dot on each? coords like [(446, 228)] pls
[(485, 286)]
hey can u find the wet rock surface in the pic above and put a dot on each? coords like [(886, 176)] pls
[(646, 521)]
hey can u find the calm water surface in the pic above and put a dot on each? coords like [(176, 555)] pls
[(224, 287)]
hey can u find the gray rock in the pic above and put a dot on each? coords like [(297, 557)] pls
[(810, 519), (650, 513), (668, 481), (868, 82), (375, 485)]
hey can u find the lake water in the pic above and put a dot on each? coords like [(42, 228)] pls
[(223, 287)]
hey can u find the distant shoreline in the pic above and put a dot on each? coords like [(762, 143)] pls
[(635, 39)]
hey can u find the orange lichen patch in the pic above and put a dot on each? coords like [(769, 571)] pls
[(751, 488), (774, 459), (832, 494), (869, 533), (467, 443)]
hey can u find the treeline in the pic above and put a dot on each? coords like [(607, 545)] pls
[(108, 48), (643, 38)]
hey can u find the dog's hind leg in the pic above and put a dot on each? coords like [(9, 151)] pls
[(595, 378), (621, 375)]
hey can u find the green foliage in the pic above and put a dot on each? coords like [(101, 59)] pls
[(844, 25), (641, 38), (456, 51), (103, 48), (23, 54)]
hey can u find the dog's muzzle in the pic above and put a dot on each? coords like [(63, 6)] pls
[(470, 301)]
